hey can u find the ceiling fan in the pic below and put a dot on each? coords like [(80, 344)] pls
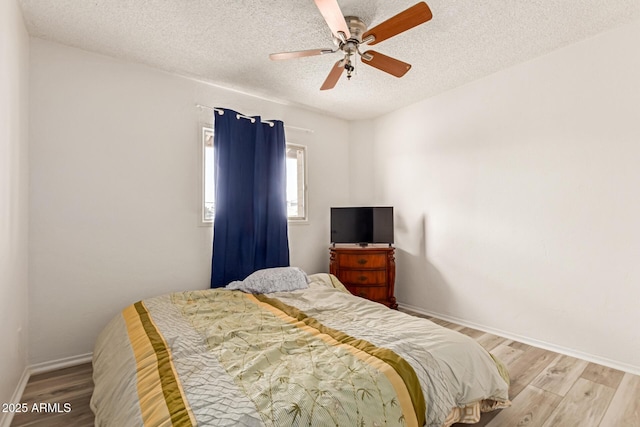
[(350, 33)]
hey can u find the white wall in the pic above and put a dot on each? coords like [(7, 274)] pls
[(362, 166), (115, 189), (517, 199), (14, 188)]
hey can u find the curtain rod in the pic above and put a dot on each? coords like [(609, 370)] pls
[(241, 116)]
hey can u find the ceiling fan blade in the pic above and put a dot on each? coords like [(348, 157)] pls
[(385, 63), (298, 54), (334, 76), (331, 12), (415, 15)]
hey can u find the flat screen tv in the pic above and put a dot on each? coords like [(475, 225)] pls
[(362, 225)]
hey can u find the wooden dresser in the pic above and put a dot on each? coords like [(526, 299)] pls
[(368, 271)]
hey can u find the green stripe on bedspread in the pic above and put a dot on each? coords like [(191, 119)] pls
[(400, 365), (170, 389), (502, 369)]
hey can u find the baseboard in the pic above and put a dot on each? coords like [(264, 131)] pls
[(7, 417), (632, 369), (65, 362)]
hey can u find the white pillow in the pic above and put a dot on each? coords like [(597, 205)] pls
[(278, 279)]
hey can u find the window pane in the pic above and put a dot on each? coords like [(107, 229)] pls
[(208, 191), (296, 182)]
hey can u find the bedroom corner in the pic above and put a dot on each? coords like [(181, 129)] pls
[(14, 205)]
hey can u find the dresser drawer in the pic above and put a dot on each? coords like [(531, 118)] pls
[(362, 260), (373, 293), (364, 277)]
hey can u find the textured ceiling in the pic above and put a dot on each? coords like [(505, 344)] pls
[(228, 42)]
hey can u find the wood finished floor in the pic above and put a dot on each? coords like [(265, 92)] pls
[(547, 390), (69, 385), (552, 390)]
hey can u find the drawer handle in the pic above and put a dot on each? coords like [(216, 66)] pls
[(362, 278), (362, 261)]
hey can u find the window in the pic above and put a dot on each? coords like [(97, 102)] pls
[(296, 164), (296, 182), (208, 186)]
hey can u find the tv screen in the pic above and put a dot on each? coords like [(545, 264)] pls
[(362, 225)]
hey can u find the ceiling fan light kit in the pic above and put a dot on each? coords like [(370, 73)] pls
[(350, 34)]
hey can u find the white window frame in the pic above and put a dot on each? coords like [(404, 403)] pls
[(303, 193), (205, 128), (206, 221)]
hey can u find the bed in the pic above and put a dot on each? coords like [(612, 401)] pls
[(310, 355)]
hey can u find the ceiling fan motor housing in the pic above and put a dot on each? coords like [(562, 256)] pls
[(356, 27)]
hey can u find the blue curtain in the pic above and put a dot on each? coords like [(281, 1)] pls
[(250, 224)]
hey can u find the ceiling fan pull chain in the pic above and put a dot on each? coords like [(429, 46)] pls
[(355, 65)]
